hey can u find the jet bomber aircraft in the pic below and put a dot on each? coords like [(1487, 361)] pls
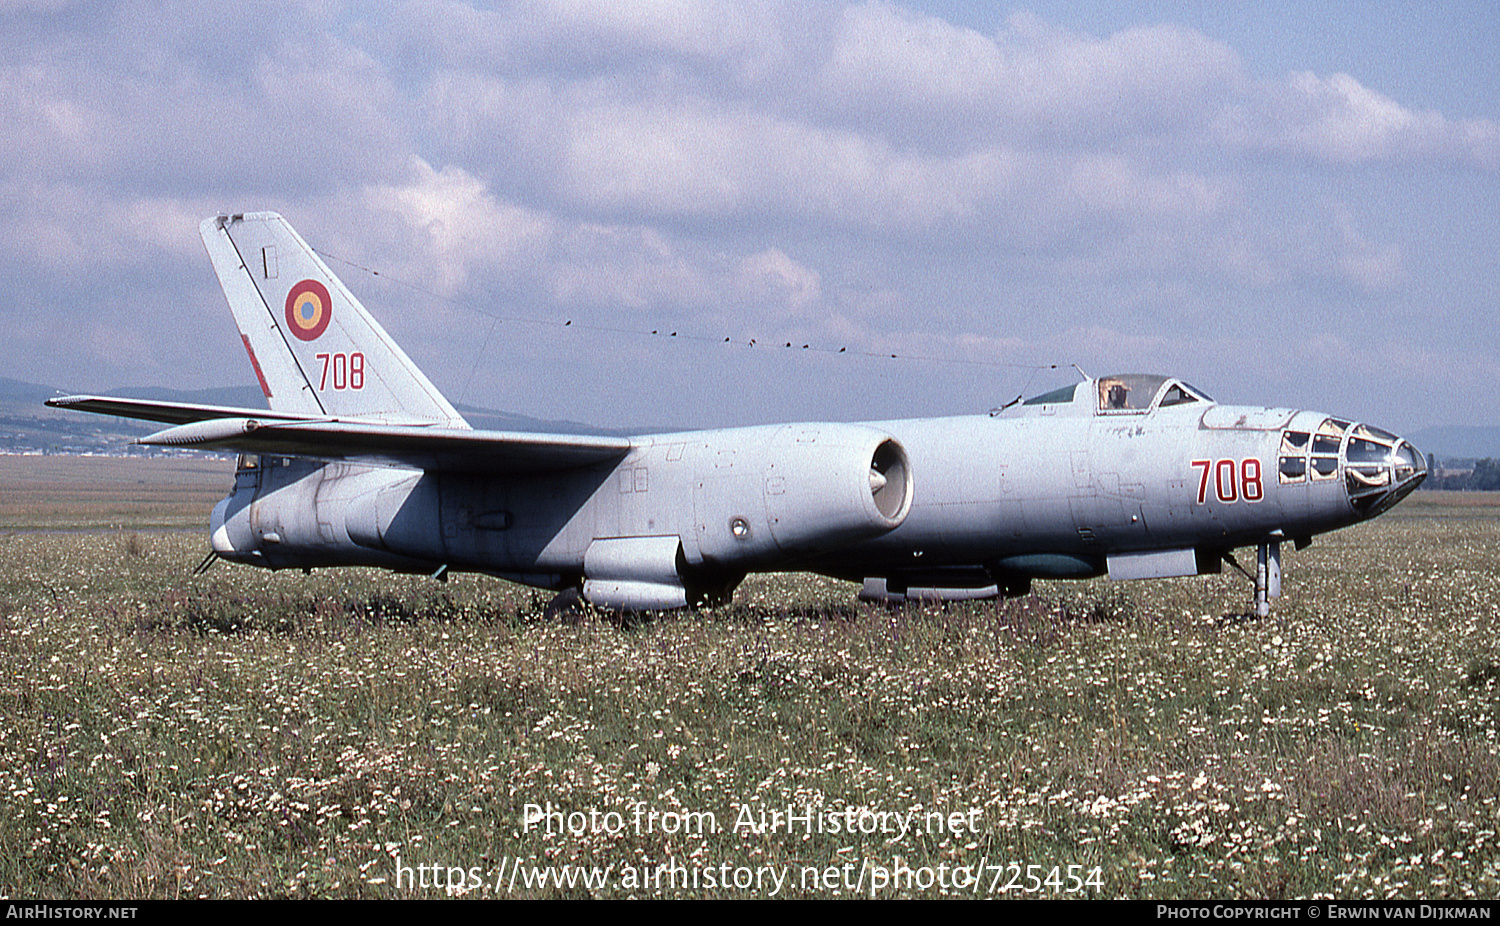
[(360, 461)]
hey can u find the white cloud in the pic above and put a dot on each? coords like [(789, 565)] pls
[(710, 29), (1337, 120), (978, 156), (1368, 265), (633, 268), (68, 228), (453, 225), (778, 278), (449, 227), (652, 275), (1031, 80), (697, 159)]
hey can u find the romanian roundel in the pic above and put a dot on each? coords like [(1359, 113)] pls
[(308, 309)]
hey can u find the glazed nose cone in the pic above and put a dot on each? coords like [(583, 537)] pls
[(1380, 469)]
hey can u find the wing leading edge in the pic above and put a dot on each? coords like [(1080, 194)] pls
[(245, 430)]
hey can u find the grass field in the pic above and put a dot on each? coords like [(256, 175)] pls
[(355, 734), (91, 493)]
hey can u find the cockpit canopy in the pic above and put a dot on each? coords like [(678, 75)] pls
[(1124, 393)]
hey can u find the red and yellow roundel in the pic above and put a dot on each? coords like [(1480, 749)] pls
[(308, 309)]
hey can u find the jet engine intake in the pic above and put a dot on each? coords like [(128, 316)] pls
[(837, 485)]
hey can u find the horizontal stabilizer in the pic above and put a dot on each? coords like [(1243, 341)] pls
[(164, 412), (244, 430), (499, 453)]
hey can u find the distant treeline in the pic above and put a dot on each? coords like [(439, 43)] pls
[(1485, 477)]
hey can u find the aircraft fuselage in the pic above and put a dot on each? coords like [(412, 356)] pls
[(973, 506)]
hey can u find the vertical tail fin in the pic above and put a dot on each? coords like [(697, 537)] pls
[(314, 348)]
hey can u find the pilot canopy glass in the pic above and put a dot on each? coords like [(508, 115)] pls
[(1139, 392), (1124, 393)]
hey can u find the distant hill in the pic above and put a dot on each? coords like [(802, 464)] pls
[(1459, 442), (13, 390), (28, 426)]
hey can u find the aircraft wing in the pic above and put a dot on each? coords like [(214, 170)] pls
[(243, 430)]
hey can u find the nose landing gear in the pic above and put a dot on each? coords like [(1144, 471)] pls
[(1267, 576)]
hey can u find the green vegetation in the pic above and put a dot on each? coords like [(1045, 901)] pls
[(250, 734), (1485, 477)]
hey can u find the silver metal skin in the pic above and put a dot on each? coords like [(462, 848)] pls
[(359, 460)]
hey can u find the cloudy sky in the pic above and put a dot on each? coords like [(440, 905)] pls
[(1284, 203)]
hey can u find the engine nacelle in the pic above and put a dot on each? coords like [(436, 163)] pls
[(795, 490), (759, 497)]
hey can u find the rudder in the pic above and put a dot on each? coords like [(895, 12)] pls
[(314, 348)]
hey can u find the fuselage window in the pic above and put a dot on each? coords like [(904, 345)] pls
[(1367, 451), (1385, 437), (1324, 443), (1406, 462), (1293, 465)]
